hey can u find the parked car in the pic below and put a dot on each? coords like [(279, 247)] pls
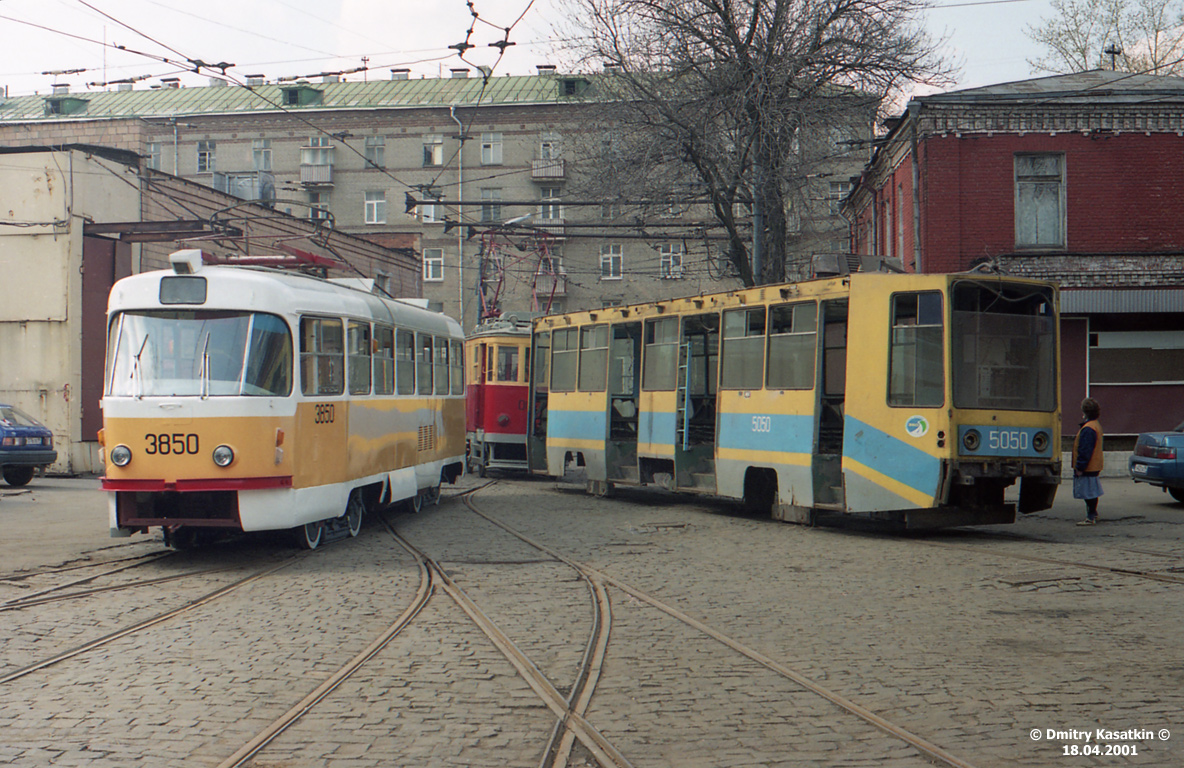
[(25, 445), (1158, 460)]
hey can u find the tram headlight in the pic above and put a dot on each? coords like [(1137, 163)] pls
[(121, 455), (1040, 442), (972, 440), (223, 455)]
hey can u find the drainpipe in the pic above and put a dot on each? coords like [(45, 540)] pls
[(914, 118), (460, 195), (176, 162)]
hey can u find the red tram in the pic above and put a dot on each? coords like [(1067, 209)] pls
[(497, 396)]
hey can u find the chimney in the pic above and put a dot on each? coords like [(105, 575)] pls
[(400, 74), (546, 69), (217, 82), (123, 87), (330, 79), (254, 80), (171, 82), (612, 69), (459, 72), (61, 89)]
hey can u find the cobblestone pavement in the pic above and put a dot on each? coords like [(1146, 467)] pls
[(943, 634)]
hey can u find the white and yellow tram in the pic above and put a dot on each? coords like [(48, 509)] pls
[(250, 399)]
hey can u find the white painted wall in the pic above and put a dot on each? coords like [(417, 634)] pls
[(45, 199)]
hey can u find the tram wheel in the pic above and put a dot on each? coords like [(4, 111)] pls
[(308, 536), (432, 496), (354, 510), (416, 502)]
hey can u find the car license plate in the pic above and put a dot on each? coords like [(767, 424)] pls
[(1139, 469), (32, 441)]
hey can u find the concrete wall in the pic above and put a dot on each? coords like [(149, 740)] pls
[(45, 198)]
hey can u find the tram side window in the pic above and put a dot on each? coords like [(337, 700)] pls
[(593, 357), (384, 360), (793, 332), (456, 368), (322, 353), (476, 372), (358, 357), (441, 368), (405, 362), (743, 361), (542, 346), (269, 366), (564, 354), (916, 375), (424, 365), (507, 364), (661, 354)]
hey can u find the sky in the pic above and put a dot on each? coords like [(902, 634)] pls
[(304, 38)]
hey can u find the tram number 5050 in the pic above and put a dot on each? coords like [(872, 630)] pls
[(324, 414), (1007, 440), (762, 423)]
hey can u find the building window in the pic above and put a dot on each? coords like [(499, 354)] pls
[(550, 209), (317, 152), (376, 207), (433, 265), (491, 149), (491, 209), (318, 206), (1039, 201), (154, 150), (433, 149), (261, 154), (375, 151), (838, 192), (610, 211), (430, 213), (206, 156), (549, 147), (610, 262), (670, 266)]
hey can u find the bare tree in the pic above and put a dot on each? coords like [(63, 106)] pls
[(1127, 35), (735, 103)]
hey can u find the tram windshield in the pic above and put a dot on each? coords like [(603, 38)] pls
[(1004, 346), (199, 353)]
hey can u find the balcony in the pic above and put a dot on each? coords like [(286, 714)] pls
[(550, 285), (552, 227), (546, 170), (316, 175)]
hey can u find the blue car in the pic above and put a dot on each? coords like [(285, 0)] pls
[(1159, 460), (25, 445)]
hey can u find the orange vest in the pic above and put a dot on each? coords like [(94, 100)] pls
[(1095, 458)]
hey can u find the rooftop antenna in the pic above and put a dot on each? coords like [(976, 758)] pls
[(1113, 51)]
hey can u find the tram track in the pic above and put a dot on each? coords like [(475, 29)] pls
[(55, 594), (144, 624), (927, 748)]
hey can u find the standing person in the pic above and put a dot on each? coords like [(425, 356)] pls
[(1087, 460)]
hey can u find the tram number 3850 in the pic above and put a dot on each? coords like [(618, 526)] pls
[(175, 443)]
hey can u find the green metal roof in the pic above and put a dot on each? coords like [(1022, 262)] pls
[(230, 99)]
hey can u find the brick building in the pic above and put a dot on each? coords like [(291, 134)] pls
[(1072, 178), (475, 153)]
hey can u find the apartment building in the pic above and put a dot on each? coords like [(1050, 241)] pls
[(476, 177)]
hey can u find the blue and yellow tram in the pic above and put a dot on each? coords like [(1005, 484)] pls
[(250, 399), (909, 400)]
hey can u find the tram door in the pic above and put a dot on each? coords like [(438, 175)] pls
[(696, 423), (539, 376), (624, 384), (827, 464)]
